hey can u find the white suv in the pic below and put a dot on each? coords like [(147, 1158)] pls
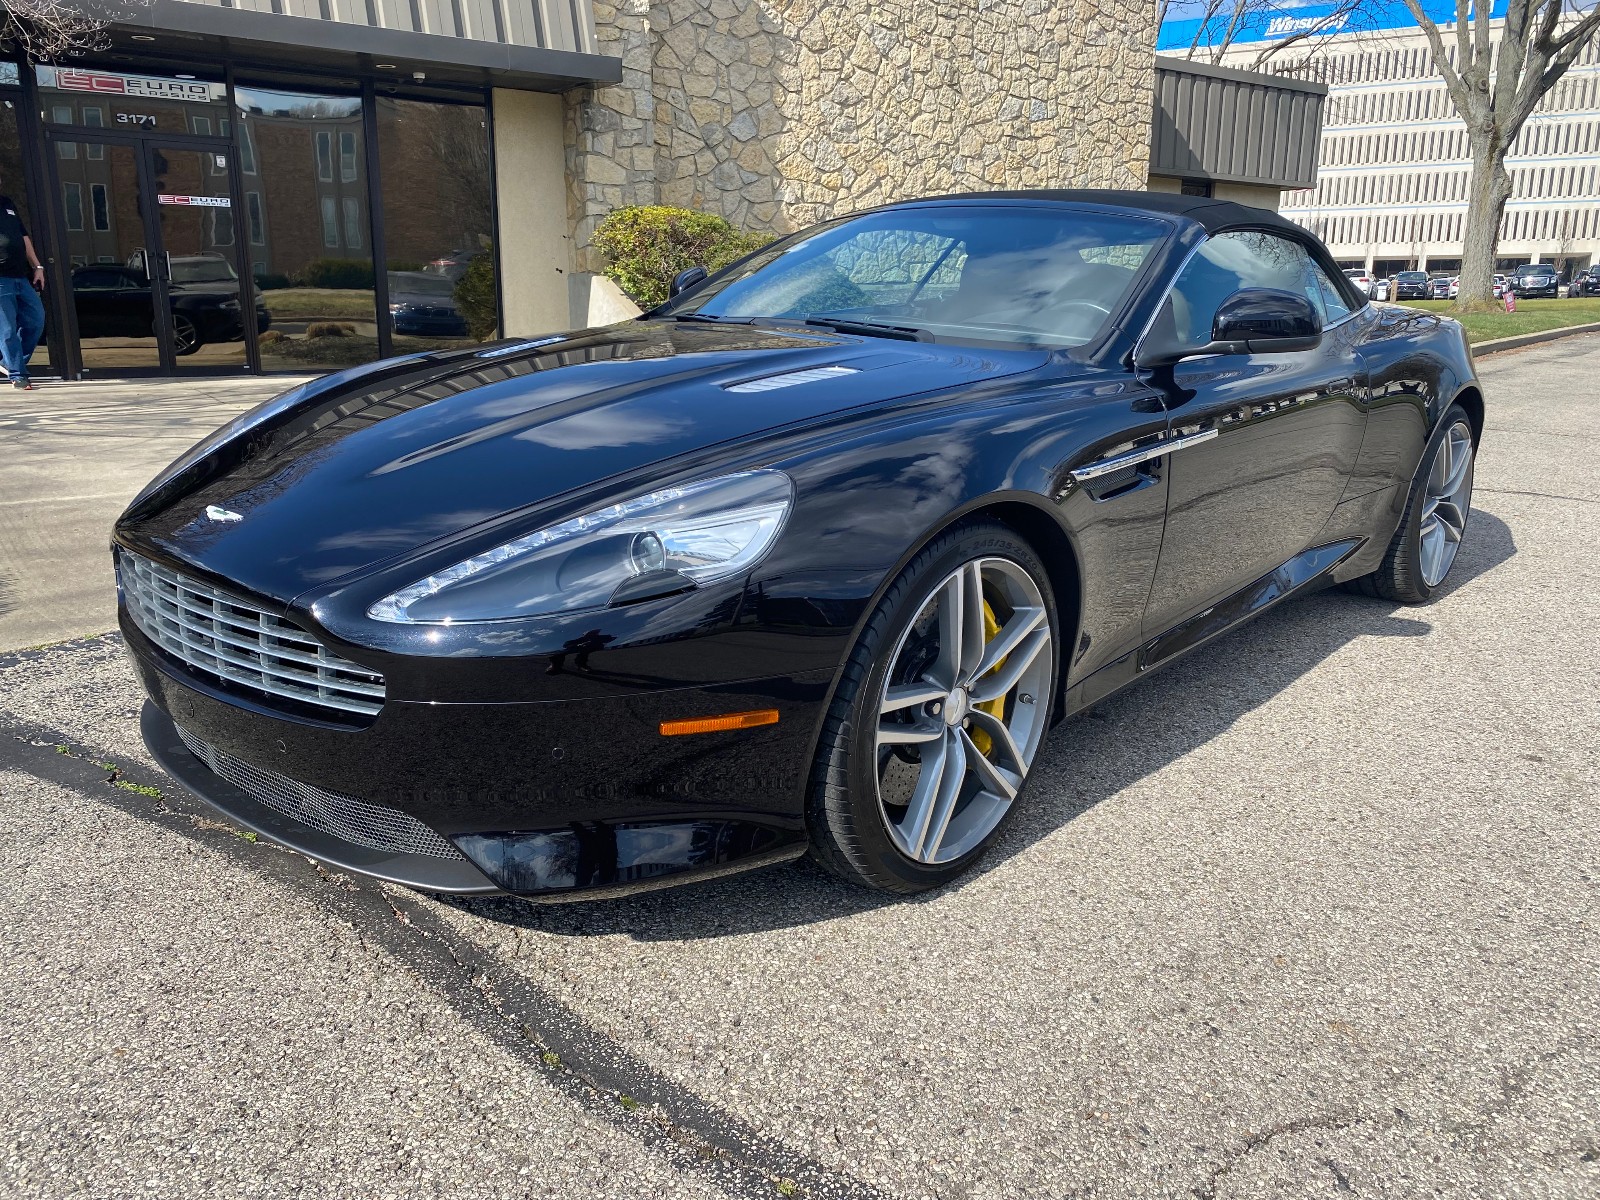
[(1361, 279)]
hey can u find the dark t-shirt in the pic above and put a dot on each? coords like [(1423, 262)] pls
[(13, 254)]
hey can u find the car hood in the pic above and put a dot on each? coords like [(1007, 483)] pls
[(378, 462)]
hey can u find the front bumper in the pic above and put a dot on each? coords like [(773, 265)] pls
[(542, 799)]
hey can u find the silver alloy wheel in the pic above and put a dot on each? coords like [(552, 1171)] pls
[(1446, 501), (963, 709)]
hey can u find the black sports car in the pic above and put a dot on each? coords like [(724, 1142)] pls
[(809, 557)]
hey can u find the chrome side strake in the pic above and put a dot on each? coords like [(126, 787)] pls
[(1144, 454)]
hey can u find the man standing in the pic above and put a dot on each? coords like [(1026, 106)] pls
[(21, 313)]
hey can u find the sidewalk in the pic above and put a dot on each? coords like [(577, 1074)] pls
[(71, 457)]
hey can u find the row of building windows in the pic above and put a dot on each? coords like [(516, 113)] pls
[(1431, 146), (1570, 181), (1368, 66), (1553, 226), (1392, 106)]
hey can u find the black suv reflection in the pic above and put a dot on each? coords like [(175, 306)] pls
[(117, 301)]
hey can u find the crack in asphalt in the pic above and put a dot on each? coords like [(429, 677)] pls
[(586, 1066), (1540, 495), (1332, 1123)]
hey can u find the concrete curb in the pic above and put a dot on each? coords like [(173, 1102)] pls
[(1531, 339)]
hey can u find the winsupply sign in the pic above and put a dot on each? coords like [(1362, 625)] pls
[(1196, 23), (139, 87)]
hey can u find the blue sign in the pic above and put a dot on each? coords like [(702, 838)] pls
[(1187, 25)]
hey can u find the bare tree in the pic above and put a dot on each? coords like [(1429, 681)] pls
[(49, 30), (1495, 83)]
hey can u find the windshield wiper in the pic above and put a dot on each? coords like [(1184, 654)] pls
[(708, 318), (905, 333)]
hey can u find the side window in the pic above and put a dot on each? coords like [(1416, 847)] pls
[(1230, 261), (1334, 306)]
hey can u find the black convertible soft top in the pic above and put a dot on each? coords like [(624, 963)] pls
[(1212, 214)]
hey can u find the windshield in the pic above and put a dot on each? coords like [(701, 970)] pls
[(1046, 277), (1412, 277), (201, 270)]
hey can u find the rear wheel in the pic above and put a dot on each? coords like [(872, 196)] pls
[(942, 707), (1425, 546)]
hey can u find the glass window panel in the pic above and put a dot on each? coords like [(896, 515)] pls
[(347, 157), (102, 210), (352, 222), (438, 239), (72, 201), (308, 227), (325, 156)]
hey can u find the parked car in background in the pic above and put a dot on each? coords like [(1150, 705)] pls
[(1382, 289), (1412, 285), (118, 301), (424, 305), (1500, 282), (1361, 279), (1536, 282), (1585, 283), (1439, 287)]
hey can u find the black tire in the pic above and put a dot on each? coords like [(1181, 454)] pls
[(1399, 577), (849, 834)]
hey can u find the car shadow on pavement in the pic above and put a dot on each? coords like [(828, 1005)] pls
[(1085, 761)]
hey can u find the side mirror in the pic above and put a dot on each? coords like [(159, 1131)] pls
[(1251, 321), (1268, 320), (684, 280)]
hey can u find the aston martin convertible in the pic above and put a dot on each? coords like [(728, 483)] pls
[(809, 559)]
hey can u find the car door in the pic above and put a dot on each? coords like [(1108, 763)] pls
[(1270, 439)]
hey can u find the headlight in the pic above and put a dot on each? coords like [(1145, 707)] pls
[(650, 545)]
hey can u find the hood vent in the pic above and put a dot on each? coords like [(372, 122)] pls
[(769, 383)]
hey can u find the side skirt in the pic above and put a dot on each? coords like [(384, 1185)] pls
[(1308, 568)]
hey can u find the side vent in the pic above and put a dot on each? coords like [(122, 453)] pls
[(769, 383)]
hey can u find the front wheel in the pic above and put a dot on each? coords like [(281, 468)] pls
[(941, 709), (1425, 546)]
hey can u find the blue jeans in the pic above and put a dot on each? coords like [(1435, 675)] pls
[(21, 323)]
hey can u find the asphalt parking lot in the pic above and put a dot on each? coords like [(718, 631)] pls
[(1312, 913)]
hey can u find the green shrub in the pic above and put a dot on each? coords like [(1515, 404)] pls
[(405, 264), (272, 282), (337, 273), (648, 245), (475, 298)]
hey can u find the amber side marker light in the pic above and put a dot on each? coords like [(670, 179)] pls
[(744, 720)]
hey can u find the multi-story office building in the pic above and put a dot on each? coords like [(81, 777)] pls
[(1391, 187)]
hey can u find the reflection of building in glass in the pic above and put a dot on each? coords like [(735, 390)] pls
[(1392, 179), (305, 182)]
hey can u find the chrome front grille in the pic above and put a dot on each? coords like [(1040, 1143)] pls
[(333, 813), (234, 640)]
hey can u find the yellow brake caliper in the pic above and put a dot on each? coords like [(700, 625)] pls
[(996, 707)]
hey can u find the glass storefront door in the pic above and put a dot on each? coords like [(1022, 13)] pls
[(197, 264), (154, 279)]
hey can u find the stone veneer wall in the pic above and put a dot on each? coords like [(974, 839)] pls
[(783, 112)]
